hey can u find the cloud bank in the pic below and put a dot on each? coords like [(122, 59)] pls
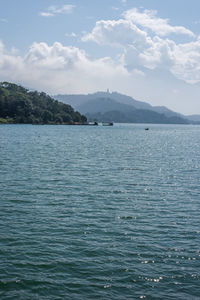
[(148, 19), (59, 68), (140, 49), (147, 56)]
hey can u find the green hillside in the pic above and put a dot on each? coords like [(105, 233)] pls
[(19, 105), (115, 107)]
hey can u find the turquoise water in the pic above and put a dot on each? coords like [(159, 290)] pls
[(99, 212)]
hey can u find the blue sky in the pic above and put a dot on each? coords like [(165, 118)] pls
[(148, 49)]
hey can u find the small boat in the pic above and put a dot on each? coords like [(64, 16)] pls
[(147, 128), (107, 123), (93, 123)]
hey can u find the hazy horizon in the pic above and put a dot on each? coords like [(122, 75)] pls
[(148, 50)]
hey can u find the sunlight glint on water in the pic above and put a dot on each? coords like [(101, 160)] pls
[(99, 212)]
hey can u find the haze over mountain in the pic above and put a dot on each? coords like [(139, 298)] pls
[(144, 48), (106, 106), (194, 118)]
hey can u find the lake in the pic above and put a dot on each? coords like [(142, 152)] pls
[(100, 212)]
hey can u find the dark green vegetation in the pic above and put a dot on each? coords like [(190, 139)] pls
[(19, 105), (115, 107)]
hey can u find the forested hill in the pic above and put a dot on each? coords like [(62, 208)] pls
[(115, 107), (19, 105)]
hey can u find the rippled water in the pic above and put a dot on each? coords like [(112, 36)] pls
[(99, 212)]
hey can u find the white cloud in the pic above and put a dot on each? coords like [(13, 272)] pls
[(117, 33), (60, 69), (115, 8), (64, 69), (3, 20), (72, 34), (1, 47), (10, 64), (54, 10), (159, 54), (46, 14), (148, 19), (139, 50), (187, 62)]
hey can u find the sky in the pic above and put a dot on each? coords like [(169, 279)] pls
[(147, 49)]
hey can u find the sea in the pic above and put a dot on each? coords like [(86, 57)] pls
[(100, 212)]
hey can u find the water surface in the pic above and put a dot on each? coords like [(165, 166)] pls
[(99, 212)]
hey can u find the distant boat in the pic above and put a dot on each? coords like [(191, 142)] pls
[(93, 123), (147, 128), (107, 123)]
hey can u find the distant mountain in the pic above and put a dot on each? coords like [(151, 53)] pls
[(194, 118), (105, 106), (78, 100), (135, 116)]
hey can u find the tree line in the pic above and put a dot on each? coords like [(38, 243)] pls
[(20, 105)]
